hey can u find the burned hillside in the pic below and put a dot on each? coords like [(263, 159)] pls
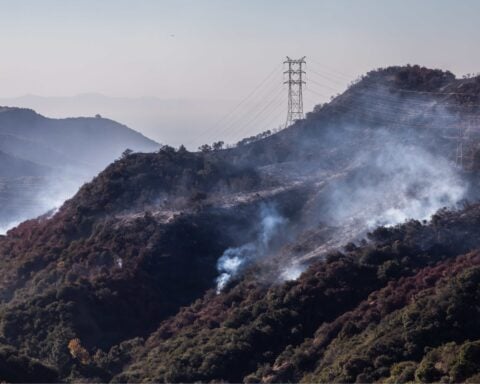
[(267, 261)]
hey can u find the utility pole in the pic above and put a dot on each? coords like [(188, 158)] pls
[(295, 86)]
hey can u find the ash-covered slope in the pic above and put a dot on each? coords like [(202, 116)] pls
[(178, 266)]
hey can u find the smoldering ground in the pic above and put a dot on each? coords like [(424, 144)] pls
[(234, 259), (370, 175)]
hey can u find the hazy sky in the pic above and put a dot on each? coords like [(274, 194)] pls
[(213, 49)]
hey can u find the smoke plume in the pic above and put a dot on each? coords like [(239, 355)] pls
[(234, 259), (397, 183), (29, 198)]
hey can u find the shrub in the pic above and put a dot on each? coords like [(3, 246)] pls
[(78, 352)]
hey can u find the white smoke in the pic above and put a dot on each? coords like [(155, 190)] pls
[(4, 228), (387, 181), (119, 262), (292, 271), (231, 261), (398, 183), (392, 182), (234, 259), (44, 197)]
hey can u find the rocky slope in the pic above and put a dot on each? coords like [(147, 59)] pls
[(262, 262)]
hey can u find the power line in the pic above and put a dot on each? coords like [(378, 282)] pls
[(392, 99), (265, 113), (310, 70), (253, 111), (236, 108), (385, 108), (396, 89), (337, 73)]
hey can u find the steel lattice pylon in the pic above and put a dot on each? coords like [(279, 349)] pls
[(295, 89)]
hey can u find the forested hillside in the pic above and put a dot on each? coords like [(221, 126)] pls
[(344, 248)]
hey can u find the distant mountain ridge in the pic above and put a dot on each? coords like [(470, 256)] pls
[(43, 161), (174, 121), (91, 142)]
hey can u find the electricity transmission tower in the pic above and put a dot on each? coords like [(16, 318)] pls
[(460, 153), (465, 152), (295, 84)]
